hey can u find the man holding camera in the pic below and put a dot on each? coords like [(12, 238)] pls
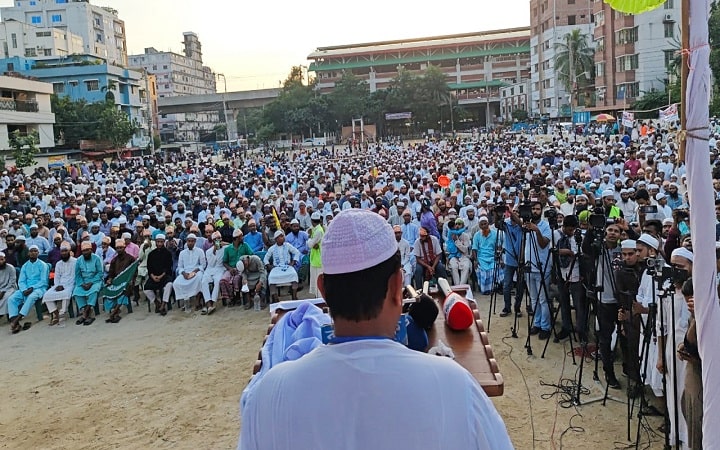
[(537, 259), (569, 283), (603, 252)]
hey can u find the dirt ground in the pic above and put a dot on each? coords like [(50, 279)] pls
[(175, 382)]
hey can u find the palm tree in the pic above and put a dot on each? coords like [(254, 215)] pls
[(574, 57)]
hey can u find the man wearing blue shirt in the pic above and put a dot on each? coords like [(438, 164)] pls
[(511, 238), (537, 258)]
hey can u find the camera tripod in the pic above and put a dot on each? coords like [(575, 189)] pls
[(498, 260), (533, 305)]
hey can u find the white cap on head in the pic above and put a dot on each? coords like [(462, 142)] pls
[(649, 241), (294, 222), (316, 216), (191, 236), (160, 237), (683, 253), (278, 233), (361, 233), (608, 193), (237, 232), (628, 244)]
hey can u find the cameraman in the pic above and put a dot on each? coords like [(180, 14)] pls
[(627, 280), (537, 274), (569, 284), (510, 234), (603, 253)]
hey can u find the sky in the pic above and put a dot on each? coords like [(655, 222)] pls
[(255, 43)]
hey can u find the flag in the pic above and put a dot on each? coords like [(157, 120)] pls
[(275, 216), (669, 114)]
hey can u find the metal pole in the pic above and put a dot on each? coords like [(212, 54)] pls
[(150, 113), (227, 127)]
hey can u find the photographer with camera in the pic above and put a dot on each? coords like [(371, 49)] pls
[(537, 258), (603, 252), (511, 234), (627, 281), (568, 241)]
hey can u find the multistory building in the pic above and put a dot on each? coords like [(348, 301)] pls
[(180, 74), (102, 31), (476, 64), (633, 53), (550, 22), (25, 40), (25, 108)]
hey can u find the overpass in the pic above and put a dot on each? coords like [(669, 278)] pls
[(234, 101)]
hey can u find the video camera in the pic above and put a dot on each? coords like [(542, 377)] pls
[(658, 269)]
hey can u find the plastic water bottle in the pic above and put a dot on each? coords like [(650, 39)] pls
[(256, 301)]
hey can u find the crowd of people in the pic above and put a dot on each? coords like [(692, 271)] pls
[(559, 218)]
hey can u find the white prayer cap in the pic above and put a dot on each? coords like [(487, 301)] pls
[(65, 245), (683, 253), (237, 232), (316, 216), (191, 236), (649, 241), (122, 221), (668, 221), (361, 233), (294, 222), (659, 196), (278, 233), (86, 244), (483, 219), (240, 266), (126, 236), (160, 237), (2, 254), (608, 193), (217, 235), (628, 244)]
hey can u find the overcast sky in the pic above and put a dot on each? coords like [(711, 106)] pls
[(255, 43)]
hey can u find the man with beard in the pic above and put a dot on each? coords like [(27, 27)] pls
[(254, 237), (32, 284), (88, 281), (64, 284), (214, 271), (627, 279), (8, 283), (191, 264), (299, 239), (627, 206), (428, 256), (230, 282), (281, 258), (120, 262), (159, 269), (21, 253), (406, 256)]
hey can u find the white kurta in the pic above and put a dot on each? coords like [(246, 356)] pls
[(654, 378), (409, 400), (282, 258), (188, 261), (65, 277), (213, 273)]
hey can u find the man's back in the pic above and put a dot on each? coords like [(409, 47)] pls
[(370, 394)]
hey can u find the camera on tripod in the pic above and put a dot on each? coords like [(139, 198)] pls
[(525, 212)]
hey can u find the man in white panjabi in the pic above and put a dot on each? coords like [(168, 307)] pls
[(191, 263), (282, 257), (64, 284), (213, 272), (8, 283), (407, 399)]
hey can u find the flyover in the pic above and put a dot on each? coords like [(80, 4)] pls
[(233, 101)]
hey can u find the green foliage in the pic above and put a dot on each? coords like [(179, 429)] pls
[(157, 142), (24, 148), (79, 120), (573, 58)]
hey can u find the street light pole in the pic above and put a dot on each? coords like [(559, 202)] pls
[(227, 127)]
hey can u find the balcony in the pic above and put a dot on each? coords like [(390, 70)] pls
[(8, 104)]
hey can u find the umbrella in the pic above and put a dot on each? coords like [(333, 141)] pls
[(603, 118), (634, 6)]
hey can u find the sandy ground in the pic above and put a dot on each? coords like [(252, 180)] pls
[(175, 382)]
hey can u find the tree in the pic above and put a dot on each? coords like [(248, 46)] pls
[(349, 99), (24, 148), (431, 95), (520, 115), (573, 58), (115, 126)]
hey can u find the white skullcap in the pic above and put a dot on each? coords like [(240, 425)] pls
[(126, 236), (649, 241), (236, 232), (361, 233), (608, 193), (668, 221), (683, 252), (294, 222), (278, 233), (659, 196), (86, 244), (65, 245), (191, 236), (316, 216), (240, 266), (2, 254), (217, 235), (483, 219), (628, 244), (160, 237)]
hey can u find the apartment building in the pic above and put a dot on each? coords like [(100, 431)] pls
[(550, 21), (102, 31), (25, 107), (180, 74), (25, 40)]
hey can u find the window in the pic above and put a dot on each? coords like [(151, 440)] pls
[(14, 40), (600, 44), (43, 34), (47, 52), (57, 18), (33, 2), (521, 89), (669, 57), (600, 69), (30, 52), (35, 19), (627, 91), (669, 29), (58, 88), (599, 18), (571, 20), (165, 66), (627, 35), (571, 2), (627, 62), (11, 67), (61, 1), (92, 85), (73, 83), (669, 4)]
